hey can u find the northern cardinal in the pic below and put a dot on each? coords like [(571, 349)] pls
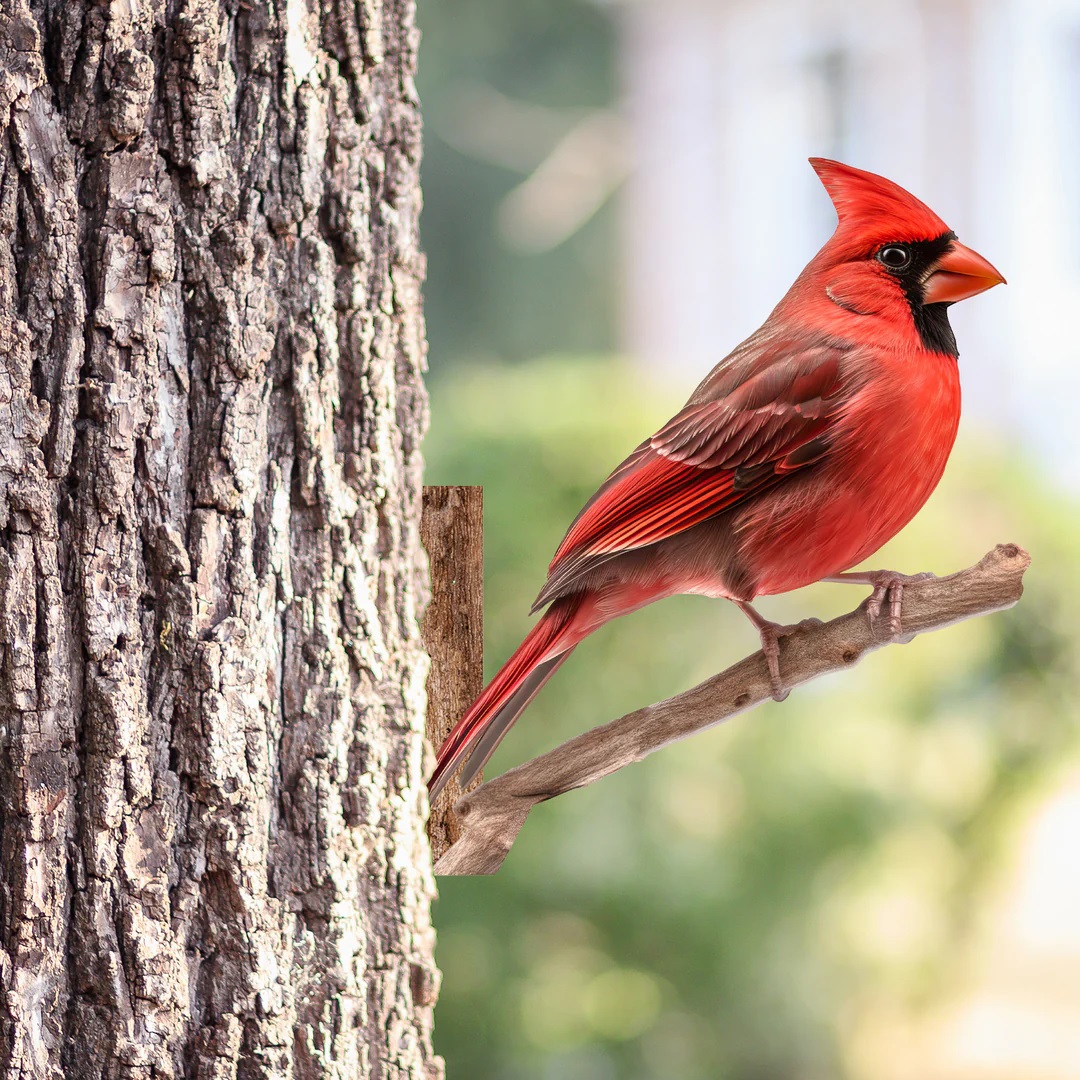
[(803, 451)]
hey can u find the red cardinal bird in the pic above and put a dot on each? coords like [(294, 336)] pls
[(802, 452)]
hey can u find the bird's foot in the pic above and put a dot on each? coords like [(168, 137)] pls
[(770, 634), (888, 594)]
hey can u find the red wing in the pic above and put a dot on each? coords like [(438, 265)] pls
[(709, 457)]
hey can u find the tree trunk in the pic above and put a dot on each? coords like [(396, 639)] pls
[(211, 676)]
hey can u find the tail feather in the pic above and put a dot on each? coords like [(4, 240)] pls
[(488, 719), (503, 720)]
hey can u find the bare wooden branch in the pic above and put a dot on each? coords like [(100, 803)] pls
[(452, 532), (491, 817)]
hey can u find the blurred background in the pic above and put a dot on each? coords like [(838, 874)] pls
[(880, 878)]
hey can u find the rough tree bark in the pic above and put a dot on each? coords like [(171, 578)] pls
[(211, 677)]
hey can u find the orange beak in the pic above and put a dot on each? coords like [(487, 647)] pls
[(959, 273)]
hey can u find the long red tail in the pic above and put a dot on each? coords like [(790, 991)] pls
[(518, 681)]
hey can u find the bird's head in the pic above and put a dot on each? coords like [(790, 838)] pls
[(891, 255)]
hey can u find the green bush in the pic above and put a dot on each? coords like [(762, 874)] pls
[(734, 907)]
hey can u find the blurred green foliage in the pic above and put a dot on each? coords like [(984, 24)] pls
[(747, 904), (741, 905), (553, 59)]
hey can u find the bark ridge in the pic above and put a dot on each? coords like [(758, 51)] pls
[(211, 676)]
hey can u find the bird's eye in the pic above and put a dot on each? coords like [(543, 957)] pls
[(895, 256)]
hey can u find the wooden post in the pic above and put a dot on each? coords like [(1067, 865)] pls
[(452, 532)]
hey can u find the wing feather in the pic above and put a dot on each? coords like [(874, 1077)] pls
[(750, 424)]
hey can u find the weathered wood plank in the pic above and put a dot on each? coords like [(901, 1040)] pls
[(452, 532)]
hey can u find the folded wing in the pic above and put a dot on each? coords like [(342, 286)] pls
[(756, 419)]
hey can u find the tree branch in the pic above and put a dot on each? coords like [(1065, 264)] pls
[(491, 816)]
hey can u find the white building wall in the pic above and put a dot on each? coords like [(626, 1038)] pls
[(972, 104)]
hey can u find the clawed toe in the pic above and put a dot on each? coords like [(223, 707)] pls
[(770, 634), (888, 595)]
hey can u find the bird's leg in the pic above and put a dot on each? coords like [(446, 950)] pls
[(888, 588), (770, 634)]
